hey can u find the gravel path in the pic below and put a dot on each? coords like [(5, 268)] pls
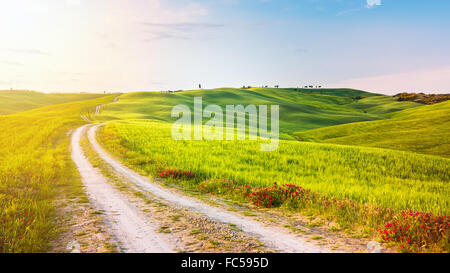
[(133, 228)]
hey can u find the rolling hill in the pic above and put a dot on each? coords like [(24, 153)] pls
[(35, 169), (141, 122), (22, 100), (300, 109), (423, 129), (367, 180)]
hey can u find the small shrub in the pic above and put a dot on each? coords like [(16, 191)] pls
[(225, 186), (176, 174), (275, 196)]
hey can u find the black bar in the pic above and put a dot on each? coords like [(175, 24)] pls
[(186, 263)]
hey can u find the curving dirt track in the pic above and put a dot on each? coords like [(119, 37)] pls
[(137, 234), (133, 230)]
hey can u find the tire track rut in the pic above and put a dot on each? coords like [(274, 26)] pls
[(127, 225), (272, 236)]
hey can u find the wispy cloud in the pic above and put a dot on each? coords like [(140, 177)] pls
[(370, 4), (373, 3), (159, 35), (344, 12), (183, 26), (28, 51), (10, 63), (429, 80), (176, 31)]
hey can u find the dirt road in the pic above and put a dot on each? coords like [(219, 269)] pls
[(137, 235), (134, 231)]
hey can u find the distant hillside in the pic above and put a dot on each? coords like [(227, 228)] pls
[(12, 102), (300, 109), (423, 98), (422, 129), (339, 92), (383, 105)]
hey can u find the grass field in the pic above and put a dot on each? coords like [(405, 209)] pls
[(300, 110), (34, 165), (21, 100), (383, 105), (384, 179), (395, 179), (35, 162), (424, 130)]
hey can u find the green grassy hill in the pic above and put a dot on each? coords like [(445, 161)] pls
[(300, 109), (35, 146), (18, 101), (389, 178), (423, 129), (35, 168), (339, 92), (383, 105), (385, 177)]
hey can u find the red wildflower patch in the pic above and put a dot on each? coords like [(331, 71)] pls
[(275, 195), (176, 174), (409, 230), (416, 229)]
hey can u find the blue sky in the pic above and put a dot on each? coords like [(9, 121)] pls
[(126, 45)]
